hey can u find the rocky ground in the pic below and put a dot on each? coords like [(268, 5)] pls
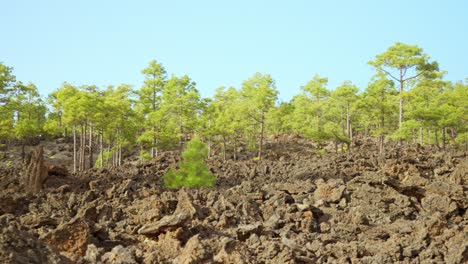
[(299, 206)]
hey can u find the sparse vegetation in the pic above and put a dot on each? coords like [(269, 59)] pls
[(192, 171), (166, 111)]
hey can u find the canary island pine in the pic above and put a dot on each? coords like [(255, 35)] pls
[(192, 172)]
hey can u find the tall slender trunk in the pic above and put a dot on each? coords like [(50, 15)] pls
[(224, 148), (443, 138), (153, 151), (382, 136), (101, 145), (209, 147), (83, 146), (74, 148), (120, 155), (90, 147), (23, 151), (348, 122), (141, 156), (420, 136), (437, 138), (113, 156), (400, 116), (235, 148), (262, 128), (318, 112), (109, 153), (181, 128)]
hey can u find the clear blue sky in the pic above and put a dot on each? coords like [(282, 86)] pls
[(222, 43)]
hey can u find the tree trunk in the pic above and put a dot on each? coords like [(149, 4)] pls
[(381, 144), (113, 157), (262, 128), (420, 136), (101, 158), (443, 138), (400, 116), (120, 155), (209, 147), (235, 148), (36, 171), (153, 152), (437, 139), (91, 147), (23, 152), (110, 157), (224, 148), (181, 128), (83, 146), (74, 148), (348, 122)]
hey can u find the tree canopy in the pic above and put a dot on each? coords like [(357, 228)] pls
[(407, 100)]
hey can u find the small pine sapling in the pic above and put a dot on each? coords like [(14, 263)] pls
[(192, 172)]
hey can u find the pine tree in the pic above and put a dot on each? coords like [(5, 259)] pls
[(148, 105), (259, 94), (192, 172)]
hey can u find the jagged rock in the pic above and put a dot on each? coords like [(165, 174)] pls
[(21, 247), (273, 222), (185, 211), (72, 237), (34, 220), (193, 252), (120, 255), (454, 191), (457, 248), (233, 252), (330, 192), (292, 188), (438, 203), (350, 207), (305, 205), (93, 254), (226, 220), (244, 231)]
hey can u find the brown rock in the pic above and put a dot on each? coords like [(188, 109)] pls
[(457, 249), (438, 203), (233, 252), (72, 237), (120, 255), (185, 211), (21, 247), (193, 252), (330, 192)]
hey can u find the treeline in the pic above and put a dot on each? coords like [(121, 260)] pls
[(407, 100)]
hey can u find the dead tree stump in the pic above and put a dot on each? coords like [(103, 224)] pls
[(36, 172)]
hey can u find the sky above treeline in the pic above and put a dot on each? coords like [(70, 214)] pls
[(222, 43)]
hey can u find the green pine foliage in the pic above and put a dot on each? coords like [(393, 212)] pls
[(192, 172), (407, 100)]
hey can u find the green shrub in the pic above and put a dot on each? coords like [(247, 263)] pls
[(192, 172), (106, 155), (145, 155), (320, 151)]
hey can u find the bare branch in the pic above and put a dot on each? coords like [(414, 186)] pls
[(390, 75), (416, 76)]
